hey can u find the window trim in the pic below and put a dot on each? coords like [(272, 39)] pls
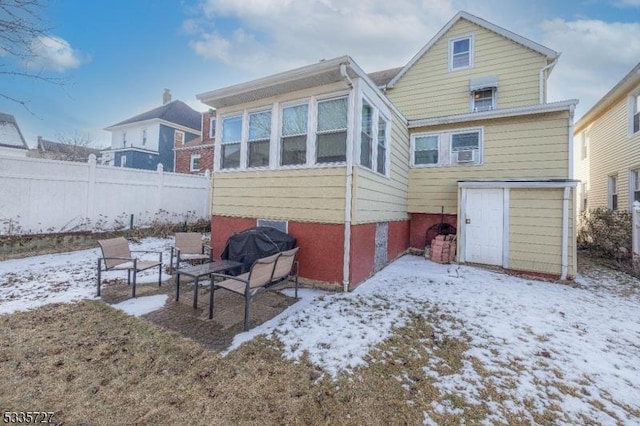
[(219, 155), (612, 180), (445, 149), (633, 110), (452, 40), (317, 132), (494, 99), (308, 145), (191, 160), (633, 185), (249, 141), (144, 137), (175, 136)]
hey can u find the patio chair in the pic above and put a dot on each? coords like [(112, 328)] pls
[(189, 246), (286, 269), (116, 256), (248, 284)]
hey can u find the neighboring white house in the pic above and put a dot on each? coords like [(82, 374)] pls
[(11, 140)]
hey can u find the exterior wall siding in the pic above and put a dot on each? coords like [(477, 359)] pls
[(306, 195), (378, 198), (429, 89), (535, 233), (612, 152), (532, 147)]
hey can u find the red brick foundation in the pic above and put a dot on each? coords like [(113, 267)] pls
[(363, 247), (322, 246), (421, 222)]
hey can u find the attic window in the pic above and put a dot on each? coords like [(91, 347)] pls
[(461, 53)]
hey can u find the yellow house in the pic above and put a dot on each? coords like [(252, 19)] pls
[(360, 167), (608, 148)]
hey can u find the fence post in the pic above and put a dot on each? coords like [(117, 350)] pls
[(91, 189), (634, 228), (160, 185), (209, 198)]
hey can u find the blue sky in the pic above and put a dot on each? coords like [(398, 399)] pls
[(116, 57)]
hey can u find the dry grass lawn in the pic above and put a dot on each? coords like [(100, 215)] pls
[(91, 364)]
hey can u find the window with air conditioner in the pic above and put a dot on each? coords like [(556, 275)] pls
[(484, 99), (454, 148)]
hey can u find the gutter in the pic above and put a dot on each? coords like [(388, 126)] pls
[(348, 192), (542, 85)]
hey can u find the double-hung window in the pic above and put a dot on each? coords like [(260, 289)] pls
[(635, 111), (178, 138), (613, 192), (230, 146), (461, 53), (426, 150), (483, 100), (331, 135), (382, 146), (194, 163), (635, 186), (293, 143), (366, 138), (259, 136)]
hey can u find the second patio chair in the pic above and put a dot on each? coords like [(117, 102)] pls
[(188, 246), (116, 256)]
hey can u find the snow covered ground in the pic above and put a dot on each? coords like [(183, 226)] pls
[(531, 334)]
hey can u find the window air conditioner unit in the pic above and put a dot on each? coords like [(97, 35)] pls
[(466, 156), (482, 108)]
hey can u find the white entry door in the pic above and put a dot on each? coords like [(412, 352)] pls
[(483, 225)]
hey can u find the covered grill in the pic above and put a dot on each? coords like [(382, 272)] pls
[(254, 243)]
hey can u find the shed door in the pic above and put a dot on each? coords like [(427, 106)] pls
[(484, 226)]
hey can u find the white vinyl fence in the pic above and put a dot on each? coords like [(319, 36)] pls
[(39, 195)]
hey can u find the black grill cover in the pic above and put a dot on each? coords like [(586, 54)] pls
[(254, 243)]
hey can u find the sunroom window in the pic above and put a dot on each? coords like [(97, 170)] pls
[(294, 135), (366, 140), (331, 136), (382, 146), (259, 136), (230, 146)]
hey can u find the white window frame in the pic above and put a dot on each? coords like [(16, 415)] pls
[(634, 185), (633, 112), (318, 132), (212, 127), (494, 99), (144, 137), (308, 145), (246, 144), (192, 161), (370, 134), (452, 41), (613, 201), (178, 136), (385, 145), (124, 138), (584, 196), (445, 148), (379, 112), (220, 155)]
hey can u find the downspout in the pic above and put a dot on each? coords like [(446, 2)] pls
[(565, 233), (543, 71), (348, 193)]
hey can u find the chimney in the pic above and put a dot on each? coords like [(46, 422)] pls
[(166, 96)]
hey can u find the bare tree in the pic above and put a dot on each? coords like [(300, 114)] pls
[(20, 27)]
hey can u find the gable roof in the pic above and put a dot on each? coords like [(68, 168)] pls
[(176, 112), (624, 86), (10, 134), (544, 51)]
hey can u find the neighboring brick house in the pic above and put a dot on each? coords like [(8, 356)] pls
[(359, 167), (196, 156), (62, 151), (11, 140), (148, 139)]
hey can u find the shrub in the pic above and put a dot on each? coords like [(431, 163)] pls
[(605, 233)]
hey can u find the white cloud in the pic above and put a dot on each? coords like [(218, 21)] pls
[(55, 53), (595, 56), (273, 35), (628, 3)]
